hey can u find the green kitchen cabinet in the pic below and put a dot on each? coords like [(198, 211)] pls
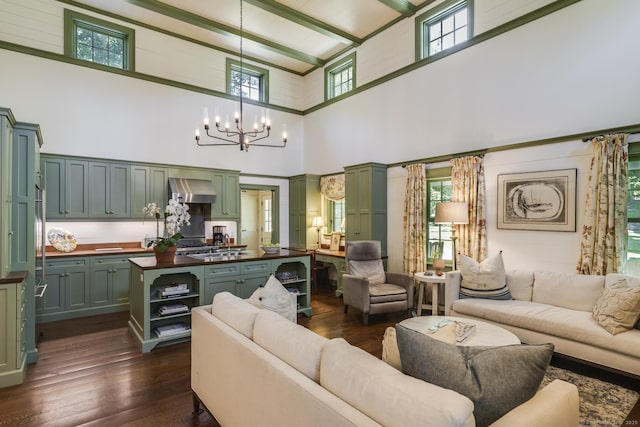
[(67, 186), (253, 274), (13, 355), (227, 205), (7, 122), (148, 184), (110, 190), (366, 203), (109, 281), (304, 204), (68, 289), (220, 278)]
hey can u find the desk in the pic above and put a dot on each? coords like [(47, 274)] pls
[(335, 258), (421, 280)]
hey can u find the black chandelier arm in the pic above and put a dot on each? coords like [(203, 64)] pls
[(228, 141), (284, 144)]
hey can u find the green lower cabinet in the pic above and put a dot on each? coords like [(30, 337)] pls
[(68, 290), (252, 275), (109, 281), (13, 354), (220, 278)]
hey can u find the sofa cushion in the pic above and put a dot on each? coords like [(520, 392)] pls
[(496, 379), (520, 283), (294, 344), (574, 325), (569, 290), (386, 394), (391, 354), (633, 282), (486, 279), (275, 297), (618, 308), (235, 312)]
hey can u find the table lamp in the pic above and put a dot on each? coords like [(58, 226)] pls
[(317, 222), (453, 213)]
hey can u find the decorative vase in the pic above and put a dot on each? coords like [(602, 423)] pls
[(166, 256), (438, 266)]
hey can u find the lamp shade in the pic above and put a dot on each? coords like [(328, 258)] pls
[(452, 213), (317, 222)]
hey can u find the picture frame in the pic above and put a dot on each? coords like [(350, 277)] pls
[(335, 241), (538, 201)]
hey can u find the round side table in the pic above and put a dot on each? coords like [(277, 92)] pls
[(423, 278)]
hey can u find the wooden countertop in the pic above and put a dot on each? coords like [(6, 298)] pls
[(13, 277), (97, 249), (337, 254), (149, 263)]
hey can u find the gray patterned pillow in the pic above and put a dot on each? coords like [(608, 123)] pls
[(618, 308), (496, 379)]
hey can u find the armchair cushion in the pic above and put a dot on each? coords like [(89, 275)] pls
[(371, 269), (386, 292)]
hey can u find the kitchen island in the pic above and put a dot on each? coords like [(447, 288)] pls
[(162, 295)]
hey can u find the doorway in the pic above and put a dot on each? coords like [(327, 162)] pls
[(259, 216)]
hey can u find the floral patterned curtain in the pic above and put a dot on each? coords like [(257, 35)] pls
[(414, 221), (332, 187), (604, 233), (468, 185)]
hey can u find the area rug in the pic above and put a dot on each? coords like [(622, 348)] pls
[(601, 403)]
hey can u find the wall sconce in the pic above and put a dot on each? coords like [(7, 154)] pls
[(318, 223), (453, 213)]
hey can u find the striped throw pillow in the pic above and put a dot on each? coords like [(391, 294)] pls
[(486, 279)]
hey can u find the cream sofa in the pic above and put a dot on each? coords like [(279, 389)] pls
[(554, 307), (252, 367)]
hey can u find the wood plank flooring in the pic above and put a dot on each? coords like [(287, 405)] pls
[(90, 372)]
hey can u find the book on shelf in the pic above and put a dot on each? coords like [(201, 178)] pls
[(168, 309), (173, 290), (463, 330), (172, 329)]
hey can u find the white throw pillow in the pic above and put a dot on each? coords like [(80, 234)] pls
[(275, 297), (486, 279), (618, 308)]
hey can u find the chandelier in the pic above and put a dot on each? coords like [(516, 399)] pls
[(239, 135)]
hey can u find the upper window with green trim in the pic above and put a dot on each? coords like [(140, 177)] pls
[(101, 42), (340, 77), (251, 81), (444, 27)]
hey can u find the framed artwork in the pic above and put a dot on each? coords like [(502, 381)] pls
[(544, 201), (335, 241)]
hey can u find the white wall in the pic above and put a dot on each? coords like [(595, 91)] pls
[(539, 81)]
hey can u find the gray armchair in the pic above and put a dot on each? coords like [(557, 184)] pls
[(367, 287)]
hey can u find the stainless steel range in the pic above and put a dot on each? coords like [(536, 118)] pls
[(194, 246)]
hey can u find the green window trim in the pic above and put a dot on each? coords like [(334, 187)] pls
[(331, 70), (252, 70), (436, 176), (74, 20), (421, 47)]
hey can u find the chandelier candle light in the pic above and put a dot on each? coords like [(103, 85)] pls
[(240, 135)]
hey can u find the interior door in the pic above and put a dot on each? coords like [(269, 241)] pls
[(265, 217), (250, 219)]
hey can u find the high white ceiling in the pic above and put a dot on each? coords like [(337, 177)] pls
[(296, 35)]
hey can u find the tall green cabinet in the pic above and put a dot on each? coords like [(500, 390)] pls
[(7, 122), (304, 204), (366, 203)]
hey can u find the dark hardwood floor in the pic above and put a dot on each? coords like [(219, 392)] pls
[(91, 373)]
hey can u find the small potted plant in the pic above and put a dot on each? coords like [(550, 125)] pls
[(175, 216), (435, 250)]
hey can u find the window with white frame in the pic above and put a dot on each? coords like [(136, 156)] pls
[(340, 77), (97, 41), (336, 216), (444, 27), (249, 80), (439, 243), (633, 212)]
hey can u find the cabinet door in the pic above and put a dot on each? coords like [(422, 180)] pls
[(53, 300), (99, 185), (140, 185), (101, 290), (119, 190), (8, 327), (120, 282), (213, 286), (6, 143), (54, 184), (78, 291), (76, 189), (227, 205)]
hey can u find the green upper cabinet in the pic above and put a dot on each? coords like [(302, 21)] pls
[(6, 233), (67, 186), (227, 205), (148, 184), (110, 190), (366, 203), (304, 204)]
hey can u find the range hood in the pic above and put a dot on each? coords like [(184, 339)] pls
[(192, 190)]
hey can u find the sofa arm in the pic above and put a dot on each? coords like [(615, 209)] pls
[(452, 289), (404, 280), (355, 292), (554, 405)]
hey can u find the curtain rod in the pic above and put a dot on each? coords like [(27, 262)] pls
[(631, 129), (589, 138)]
